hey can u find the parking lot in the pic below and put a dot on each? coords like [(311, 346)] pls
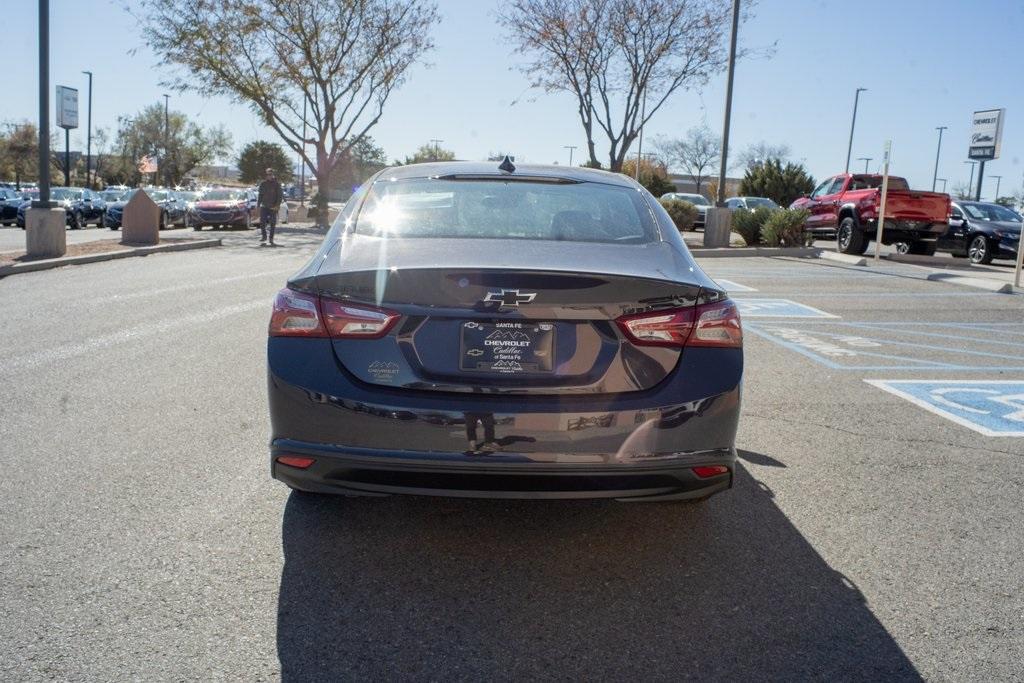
[(875, 530)]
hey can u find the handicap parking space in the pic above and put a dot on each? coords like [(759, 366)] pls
[(932, 346)]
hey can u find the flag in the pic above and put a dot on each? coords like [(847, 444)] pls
[(147, 164)]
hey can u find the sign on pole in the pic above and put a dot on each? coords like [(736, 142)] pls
[(67, 107), (986, 134), (885, 195)]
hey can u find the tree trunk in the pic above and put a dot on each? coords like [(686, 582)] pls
[(323, 183)]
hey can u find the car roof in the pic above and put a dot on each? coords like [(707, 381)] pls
[(490, 168)]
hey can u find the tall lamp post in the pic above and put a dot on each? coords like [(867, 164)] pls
[(999, 179), (640, 142), (853, 123), (302, 156), (44, 107), (720, 200), (970, 183), (88, 137), (437, 147), (935, 176), (943, 183), (167, 137), (865, 160), (571, 149)]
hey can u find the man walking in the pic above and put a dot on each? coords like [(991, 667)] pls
[(269, 201)]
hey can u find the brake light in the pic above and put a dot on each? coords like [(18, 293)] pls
[(715, 325), (345, 321), (296, 461), (296, 314), (707, 471)]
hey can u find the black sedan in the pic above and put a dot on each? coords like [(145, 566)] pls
[(173, 209), (473, 330), (982, 231), (81, 206), (10, 200)]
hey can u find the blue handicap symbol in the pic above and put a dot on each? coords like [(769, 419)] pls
[(778, 308), (989, 407)]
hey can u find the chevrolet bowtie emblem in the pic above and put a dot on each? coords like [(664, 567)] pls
[(510, 297)]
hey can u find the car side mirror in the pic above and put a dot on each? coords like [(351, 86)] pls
[(956, 222)]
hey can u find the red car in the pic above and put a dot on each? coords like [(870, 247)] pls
[(847, 205), (223, 208)]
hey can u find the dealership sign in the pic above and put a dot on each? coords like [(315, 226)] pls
[(986, 134), (67, 107)]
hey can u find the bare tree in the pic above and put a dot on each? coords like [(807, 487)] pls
[(696, 153), (334, 61), (961, 190), (757, 153), (620, 59)]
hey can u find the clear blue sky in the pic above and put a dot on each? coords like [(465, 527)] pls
[(925, 64)]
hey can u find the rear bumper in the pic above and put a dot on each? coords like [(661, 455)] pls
[(373, 440), (905, 231), (494, 475)]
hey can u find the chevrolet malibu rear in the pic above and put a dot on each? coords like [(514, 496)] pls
[(532, 332)]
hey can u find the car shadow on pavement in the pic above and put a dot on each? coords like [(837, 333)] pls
[(438, 588)]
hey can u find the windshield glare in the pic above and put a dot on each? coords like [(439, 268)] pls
[(63, 193), (223, 195), (760, 201), (499, 209), (990, 212)]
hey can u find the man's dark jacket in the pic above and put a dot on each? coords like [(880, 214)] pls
[(270, 194)]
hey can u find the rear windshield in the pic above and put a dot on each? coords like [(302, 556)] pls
[(577, 212), (761, 201), (873, 182)]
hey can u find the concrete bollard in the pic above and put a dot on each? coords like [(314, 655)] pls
[(717, 227), (140, 223), (46, 233)]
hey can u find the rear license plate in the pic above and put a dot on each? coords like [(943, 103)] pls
[(507, 347)]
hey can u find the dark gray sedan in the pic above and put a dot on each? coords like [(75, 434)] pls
[(531, 332)]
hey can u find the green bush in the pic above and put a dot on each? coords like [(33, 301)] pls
[(749, 223), (682, 213), (785, 228)]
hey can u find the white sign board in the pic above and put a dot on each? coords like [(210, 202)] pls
[(986, 134), (67, 107)]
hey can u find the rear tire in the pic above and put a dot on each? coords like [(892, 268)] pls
[(850, 238), (922, 248), (76, 221), (980, 251), (163, 221)]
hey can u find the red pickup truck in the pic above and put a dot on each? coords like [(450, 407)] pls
[(846, 206)]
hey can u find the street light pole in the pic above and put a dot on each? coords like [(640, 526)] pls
[(571, 148), (865, 160), (88, 137), (943, 183), (640, 143), (728, 103), (302, 169), (999, 179), (935, 176), (167, 136), (853, 123), (970, 183), (437, 147), (44, 107)]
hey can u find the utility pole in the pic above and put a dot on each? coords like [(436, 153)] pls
[(999, 180), (728, 103), (437, 147), (865, 160), (44, 107), (167, 136), (571, 148), (970, 183), (853, 123), (302, 157), (640, 143), (935, 176), (88, 137)]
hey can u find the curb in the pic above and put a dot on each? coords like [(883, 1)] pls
[(976, 282), (729, 252), (843, 258), (47, 264)]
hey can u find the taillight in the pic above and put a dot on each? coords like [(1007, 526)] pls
[(707, 471), (297, 314), (716, 325), (345, 321)]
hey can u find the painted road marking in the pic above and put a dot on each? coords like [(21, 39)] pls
[(732, 286), (989, 407), (899, 346), (778, 308)]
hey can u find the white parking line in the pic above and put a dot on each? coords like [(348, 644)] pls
[(199, 284), (66, 351)]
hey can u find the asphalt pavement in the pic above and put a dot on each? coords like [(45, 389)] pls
[(867, 537)]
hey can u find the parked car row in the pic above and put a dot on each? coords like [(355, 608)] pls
[(81, 206)]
